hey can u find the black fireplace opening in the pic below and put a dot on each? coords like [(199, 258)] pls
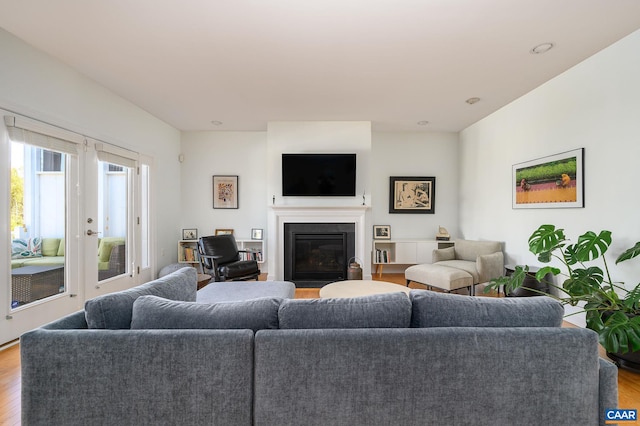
[(316, 254)]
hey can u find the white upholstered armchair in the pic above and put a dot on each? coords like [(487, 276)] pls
[(483, 260)]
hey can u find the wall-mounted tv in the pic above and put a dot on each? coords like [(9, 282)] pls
[(319, 175)]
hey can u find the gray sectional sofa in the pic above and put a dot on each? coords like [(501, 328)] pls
[(153, 355)]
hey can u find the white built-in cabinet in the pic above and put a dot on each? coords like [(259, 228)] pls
[(404, 252)]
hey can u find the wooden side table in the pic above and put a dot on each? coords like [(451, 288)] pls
[(203, 280), (530, 281)]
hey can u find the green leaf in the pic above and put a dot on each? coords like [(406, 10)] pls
[(546, 239), (584, 282), (542, 272), (621, 333), (515, 280), (632, 300), (629, 253), (591, 246), (570, 255)]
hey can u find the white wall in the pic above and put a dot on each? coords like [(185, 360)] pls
[(224, 153), (416, 154), (318, 137), (37, 85), (593, 105)]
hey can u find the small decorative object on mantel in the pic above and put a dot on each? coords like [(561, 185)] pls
[(412, 194), (225, 192), (190, 234), (382, 232), (443, 234)]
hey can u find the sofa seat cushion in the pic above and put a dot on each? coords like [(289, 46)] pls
[(152, 312), (431, 309), (390, 310), (44, 261), (114, 310), (241, 290), (465, 265)]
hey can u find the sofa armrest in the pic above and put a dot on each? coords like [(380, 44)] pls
[(439, 255), (490, 266), (608, 390)]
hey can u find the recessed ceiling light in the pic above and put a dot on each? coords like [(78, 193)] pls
[(472, 101), (216, 123), (422, 123), (541, 48)]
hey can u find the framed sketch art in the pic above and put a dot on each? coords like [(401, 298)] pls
[(381, 232), (556, 181), (225, 192), (190, 234), (412, 194)]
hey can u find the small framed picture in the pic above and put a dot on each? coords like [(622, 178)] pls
[(382, 232), (190, 234), (225, 192), (224, 232), (256, 234)]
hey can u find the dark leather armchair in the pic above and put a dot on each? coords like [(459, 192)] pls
[(220, 257)]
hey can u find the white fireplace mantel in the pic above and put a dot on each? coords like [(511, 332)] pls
[(279, 215)]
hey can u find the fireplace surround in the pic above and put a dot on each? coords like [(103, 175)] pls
[(316, 254), (282, 215)]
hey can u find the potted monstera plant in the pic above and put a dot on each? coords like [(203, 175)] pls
[(612, 309)]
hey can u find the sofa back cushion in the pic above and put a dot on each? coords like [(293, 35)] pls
[(389, 310), (470, 250), (432, 309), (50, 246), (114, 310), (152, 312)]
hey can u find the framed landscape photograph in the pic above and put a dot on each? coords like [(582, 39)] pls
[(556, 181), (412, 194), (190, 234), (225, 192), (224, 232), (382, 232)]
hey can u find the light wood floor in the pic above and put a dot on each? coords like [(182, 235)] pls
[(628, 382)]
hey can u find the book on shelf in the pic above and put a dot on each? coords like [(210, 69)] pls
[(190, 254), (251, 254), (382, 256)]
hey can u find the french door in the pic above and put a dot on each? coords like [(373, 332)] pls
[(75, 227)]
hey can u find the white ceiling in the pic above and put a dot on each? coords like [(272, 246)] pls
[(248, 62)]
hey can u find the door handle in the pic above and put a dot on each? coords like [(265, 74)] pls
[(90, 232)]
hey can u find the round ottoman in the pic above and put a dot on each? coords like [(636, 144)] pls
[(355, 288)]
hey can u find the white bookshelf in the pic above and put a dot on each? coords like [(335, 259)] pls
[(188, 252), (188, 247), (404, 252), (253, 246)]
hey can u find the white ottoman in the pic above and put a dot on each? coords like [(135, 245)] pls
[(357, 288), (442, 277)]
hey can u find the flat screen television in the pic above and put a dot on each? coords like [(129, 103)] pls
[(319, 175)]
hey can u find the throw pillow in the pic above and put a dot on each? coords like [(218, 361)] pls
[(152, 312), (26, 248), (391, 310), (113, 311), (433, 309)]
